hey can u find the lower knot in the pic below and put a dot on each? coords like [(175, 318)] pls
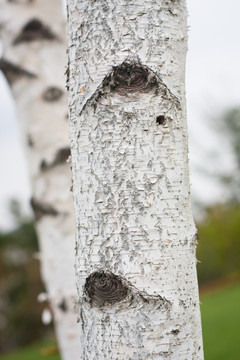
[(105, 288)]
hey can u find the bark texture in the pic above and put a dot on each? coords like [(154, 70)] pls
[(33, 37), (136, 239)]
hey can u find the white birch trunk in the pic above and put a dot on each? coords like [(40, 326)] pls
[(136, 240), (33, 36)]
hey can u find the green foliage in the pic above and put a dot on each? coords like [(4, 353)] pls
[(219, 247), (20, 284), (220, 320), (40, 351), (23, 237)]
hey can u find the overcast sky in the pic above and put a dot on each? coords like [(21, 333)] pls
[(212, 80)]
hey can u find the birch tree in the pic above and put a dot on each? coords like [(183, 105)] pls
[(136, 239), (34, 47)]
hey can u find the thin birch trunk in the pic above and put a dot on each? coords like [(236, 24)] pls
[(33, 36), (136, 239)]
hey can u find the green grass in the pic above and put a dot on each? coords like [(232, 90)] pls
[(221, 324), (40, 351), (221, 330)]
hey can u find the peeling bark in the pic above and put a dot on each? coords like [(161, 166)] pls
[(34, 68), (136, 264)]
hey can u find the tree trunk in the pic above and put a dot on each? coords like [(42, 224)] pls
[(33, 35), (136, 239)]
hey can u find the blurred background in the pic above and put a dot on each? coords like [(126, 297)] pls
[(213, 100)]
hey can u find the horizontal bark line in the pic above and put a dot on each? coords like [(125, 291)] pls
[(14, 72), (41, 208)]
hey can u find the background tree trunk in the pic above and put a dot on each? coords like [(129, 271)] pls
[(136, 240), (33, 36)]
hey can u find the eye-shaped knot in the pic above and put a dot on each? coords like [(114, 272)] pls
[(130, 78), (105, 288)]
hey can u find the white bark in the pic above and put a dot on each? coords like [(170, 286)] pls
[(136, 264), (33, 36)]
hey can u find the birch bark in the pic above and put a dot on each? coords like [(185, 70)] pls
[(136, 239), (33, 38)]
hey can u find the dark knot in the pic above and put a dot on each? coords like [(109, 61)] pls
[(104, 288), (131, 77)]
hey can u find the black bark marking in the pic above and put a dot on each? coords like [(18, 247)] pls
[(63, 305), (52, 93), (34, 30), (165, 354), (30, 141), (67, 73), (40, 209), (61, 157), (196, 237), (14, 72), (129, 78), (161, 120), (105, 288), (194, 240), (175, 331), (44, 165)]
